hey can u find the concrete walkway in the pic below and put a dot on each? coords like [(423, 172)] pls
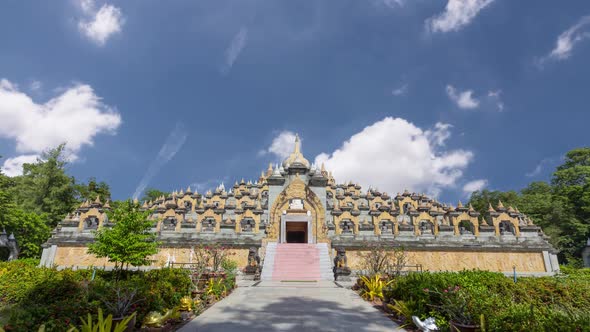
[(291, 307)]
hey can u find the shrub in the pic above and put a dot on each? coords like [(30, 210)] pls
[(532, 304)]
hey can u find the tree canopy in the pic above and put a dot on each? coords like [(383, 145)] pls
[(130, 241), (561, 207)]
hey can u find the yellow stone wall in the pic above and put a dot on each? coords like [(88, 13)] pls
[(460, 260), (78, 256)]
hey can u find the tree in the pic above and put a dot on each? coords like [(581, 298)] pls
[(481, 199), (92, 189), (45, 187), (561, 208), (152, 194), (130, 241), (29, 229)]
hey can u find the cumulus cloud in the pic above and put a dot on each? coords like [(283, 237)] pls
[(74, 117), (234, 49), (463, 99), (14, 166), (396, 154), (568, 39), (99, 25), (282, 145), (169, 149), (457, 14), (474, 185)]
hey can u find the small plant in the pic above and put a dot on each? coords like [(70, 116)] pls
[(403, 310), (216, 288), (455, 303), (373, 287), (123, 300), (103, 324)]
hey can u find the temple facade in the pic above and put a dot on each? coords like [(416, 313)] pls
[(297, 202)]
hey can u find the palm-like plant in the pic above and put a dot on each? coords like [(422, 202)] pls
[(373, 287)]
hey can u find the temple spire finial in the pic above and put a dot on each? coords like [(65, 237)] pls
[(297, 144)]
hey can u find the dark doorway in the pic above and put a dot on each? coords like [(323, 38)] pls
[(296, 232)]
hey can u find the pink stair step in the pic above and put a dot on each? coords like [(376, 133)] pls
[(296, 262)]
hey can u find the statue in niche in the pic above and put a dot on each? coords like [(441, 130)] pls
[(465, 231), (188, 205), (169, 224), (505, 228), (347, 227), (385, 227), (91, 222), (425, 228), (247, 225), (296, 204), (208, 225)]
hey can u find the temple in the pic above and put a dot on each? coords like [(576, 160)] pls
[(299, 208)]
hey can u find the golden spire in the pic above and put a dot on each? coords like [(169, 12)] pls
[(490, 208), (296, 156), (460, 205), (107, 205), (470, 208), (323, 169), (97, 200)]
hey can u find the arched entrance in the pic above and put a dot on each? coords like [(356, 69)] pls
[(297, 216)]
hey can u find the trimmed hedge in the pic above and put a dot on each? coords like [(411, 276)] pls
[(560, 303)]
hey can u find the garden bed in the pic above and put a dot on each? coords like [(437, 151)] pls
[(486, 299)]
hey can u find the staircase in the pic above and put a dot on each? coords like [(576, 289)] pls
[(297, 262)]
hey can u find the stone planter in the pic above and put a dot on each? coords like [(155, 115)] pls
[(463, 327)]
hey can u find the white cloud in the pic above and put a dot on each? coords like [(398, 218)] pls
[(394, 154), (14, 166), (282, 145), (402, 90), (234, 49), (100, 25), (474, 185), (463, 99), (391, 3), (496, 98), (169, 149), (74, 117), (540, 166), (457, 14), (568, 39)]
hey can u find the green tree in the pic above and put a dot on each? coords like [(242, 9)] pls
[(45, 188), (89, 191), (481, 199), (130, 241), (152, 194), (30, 231)]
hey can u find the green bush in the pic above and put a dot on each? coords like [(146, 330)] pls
[(59, 298), (557, 303)]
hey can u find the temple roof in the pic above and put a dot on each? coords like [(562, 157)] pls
[(296, 159)]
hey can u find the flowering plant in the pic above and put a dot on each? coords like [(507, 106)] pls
[(455, 303)]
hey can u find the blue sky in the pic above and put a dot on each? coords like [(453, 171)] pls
[(437, 96)]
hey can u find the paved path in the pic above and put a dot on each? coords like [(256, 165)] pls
[(291, 307)]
